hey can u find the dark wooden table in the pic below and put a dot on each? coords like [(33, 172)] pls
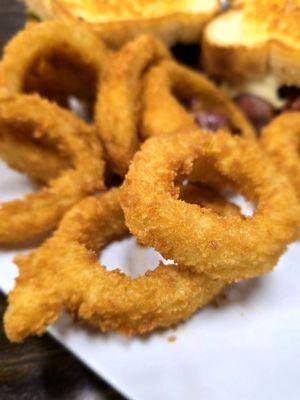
[(40, 369)]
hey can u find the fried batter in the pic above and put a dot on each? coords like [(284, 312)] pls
[(117, 114), (228, 247), (38, 213), (281, 140), (65, 274), (169, 84)]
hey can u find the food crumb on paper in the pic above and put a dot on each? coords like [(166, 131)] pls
[(220, 300), (172, 339)]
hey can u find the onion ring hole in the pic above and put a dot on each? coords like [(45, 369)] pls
[(130, 257)]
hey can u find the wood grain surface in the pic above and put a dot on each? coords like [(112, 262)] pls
[(40, 369)]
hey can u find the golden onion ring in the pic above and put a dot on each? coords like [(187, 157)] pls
[(228, 247), (34, 118)]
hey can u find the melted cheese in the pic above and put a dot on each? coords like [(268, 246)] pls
[(265, 88)]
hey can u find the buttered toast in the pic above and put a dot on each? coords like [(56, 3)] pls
[(255, 39)]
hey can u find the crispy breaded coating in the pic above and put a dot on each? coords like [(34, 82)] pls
[(30, 117), (281, 140), (74, 43), (229, 247), (117, 112), (65, 274), (168, 85)]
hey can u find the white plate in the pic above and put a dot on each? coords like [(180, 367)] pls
[(248, 348)]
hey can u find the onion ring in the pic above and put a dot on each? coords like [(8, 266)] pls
[(65, 274), (74, 43), (231, 247), (164, 114), (37, 213), (123, 84), (118, 108), (55, 47), (281, 140)]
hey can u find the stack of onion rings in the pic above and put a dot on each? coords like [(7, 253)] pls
[(137, 100), (139, 94), (112, 301), (35, 118), (65, 274)]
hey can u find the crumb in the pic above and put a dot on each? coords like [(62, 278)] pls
[(213, 244), (242, 314), (172, 339), (220, 300)]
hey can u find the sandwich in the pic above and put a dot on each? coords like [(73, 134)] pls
[(253, 51), (118, 21)]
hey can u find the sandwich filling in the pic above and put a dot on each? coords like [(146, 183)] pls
[(262, 100)]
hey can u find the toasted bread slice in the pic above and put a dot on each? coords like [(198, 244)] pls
[(118, 21), (255, 39)]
